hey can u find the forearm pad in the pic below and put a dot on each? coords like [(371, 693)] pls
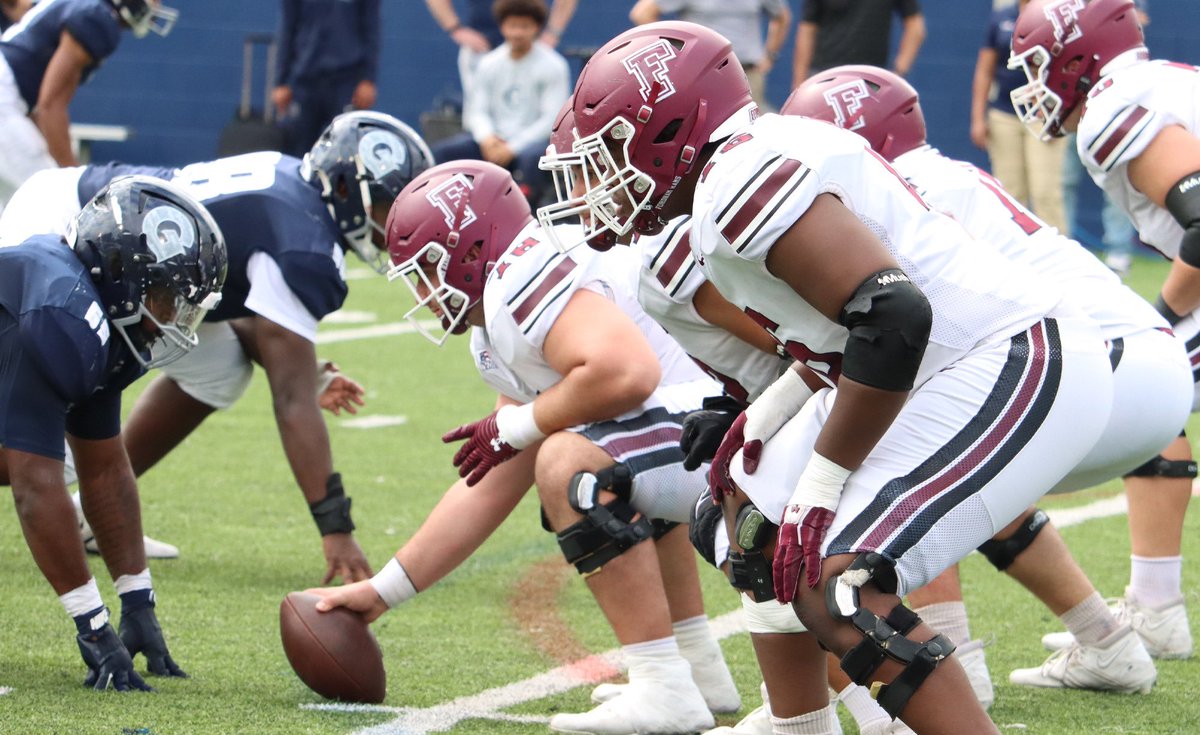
[(889, 321), (1183, 202), (332, 515)]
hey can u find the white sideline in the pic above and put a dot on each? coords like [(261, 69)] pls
[(490, 704), (5, 690)]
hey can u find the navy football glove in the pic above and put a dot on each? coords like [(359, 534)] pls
[(141, 633), (109, 664)]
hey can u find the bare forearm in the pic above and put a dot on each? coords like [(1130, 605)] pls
[(859, 418), (54, 124), (588, 394), (910, 43), (463, 519), (47, 519), (113, 509), (1181, 290), (806, 39), (306, 443), (981, 83)]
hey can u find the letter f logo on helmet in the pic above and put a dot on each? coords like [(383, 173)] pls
[(649, 65), (452, 197), (846, 101), (1065, 17)]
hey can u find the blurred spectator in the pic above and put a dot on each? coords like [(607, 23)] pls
[(481, 33), (738, 20), (328, 59), (836, 32), (11, 11), (1117, 233), (1029, 169), (508, 112)]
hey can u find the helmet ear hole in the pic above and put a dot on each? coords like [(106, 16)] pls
[(667, 134)]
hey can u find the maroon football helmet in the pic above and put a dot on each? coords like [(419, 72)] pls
[(645, 104), (446, 230), (875, 103), (566, 168), (1062, 45)]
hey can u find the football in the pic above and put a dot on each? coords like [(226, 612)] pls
[(334, 653)]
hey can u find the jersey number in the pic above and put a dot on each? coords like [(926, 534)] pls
[(212, 179), (1022, 216)]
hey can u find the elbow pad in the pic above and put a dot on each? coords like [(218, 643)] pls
[(1183, 202), (889, 321)]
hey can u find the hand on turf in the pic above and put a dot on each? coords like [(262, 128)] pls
[(360, 597), (109, 664), (483, 451), (141, 633), (344, 559)]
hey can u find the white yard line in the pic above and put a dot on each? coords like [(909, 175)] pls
[(5, 690), (374, 422)]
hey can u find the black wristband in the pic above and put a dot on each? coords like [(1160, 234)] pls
[(1161, 306), (332, 515)]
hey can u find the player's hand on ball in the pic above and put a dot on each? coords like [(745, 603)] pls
[(344, 559), (109, 664), (141, 633), (360, 597)]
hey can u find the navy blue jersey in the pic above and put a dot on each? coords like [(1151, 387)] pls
[(323, 38), (261, 205), (28, 45), (61, 368)]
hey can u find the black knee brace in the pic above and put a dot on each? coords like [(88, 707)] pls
[(882, 637), (605, 531), (1003, 553), (1160, 466), (751, 569)]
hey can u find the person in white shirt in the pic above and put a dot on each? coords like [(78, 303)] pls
[(509, 109)]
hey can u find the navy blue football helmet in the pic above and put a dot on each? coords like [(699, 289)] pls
[(146, 16), (364, 158), (154, 253)]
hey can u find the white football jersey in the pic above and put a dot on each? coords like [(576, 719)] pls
[(767, 175), (526, 292), (670, 278), (979, 203), (1125, 111)]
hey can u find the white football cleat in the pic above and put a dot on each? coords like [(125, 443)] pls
[(970, 655), (758, 722), (711, 676), (1119, 663), (651, 704), (154, 549), (1163, 629)]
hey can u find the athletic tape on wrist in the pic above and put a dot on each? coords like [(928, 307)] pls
[(517, 427), (821, 483), (392, 584)]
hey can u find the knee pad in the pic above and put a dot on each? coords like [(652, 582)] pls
[(750, 570), (770, 616), (1003, 553), (882, 637), (605, 531), (1160, 466)]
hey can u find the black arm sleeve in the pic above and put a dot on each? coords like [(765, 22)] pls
[(889, 321), (1183, 202)]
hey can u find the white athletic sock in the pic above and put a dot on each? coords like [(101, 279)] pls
[(821, 722), (700, 648), (82, 599), (947, 618), (131, 582), (1155, 581), (865, 710), (650, 656), (1090, 621)]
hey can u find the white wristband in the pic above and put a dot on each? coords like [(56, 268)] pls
[(821, 484), (392, 584), (516, 426)]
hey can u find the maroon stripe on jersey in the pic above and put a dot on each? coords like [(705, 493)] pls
[(625, 445), (1118, 136), (759, 199), (679, 255), (987, 446), (549, 281)]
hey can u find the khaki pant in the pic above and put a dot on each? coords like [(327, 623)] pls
[(1029, 169), (758, 87)]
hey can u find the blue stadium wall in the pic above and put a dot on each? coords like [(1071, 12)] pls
[(177, 93)]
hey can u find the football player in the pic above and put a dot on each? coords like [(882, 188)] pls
[(1151, 372), (11, 11), (287, 223), (595, 426), (51, 50), (953, 386), (1138, 135), (82, 317)]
